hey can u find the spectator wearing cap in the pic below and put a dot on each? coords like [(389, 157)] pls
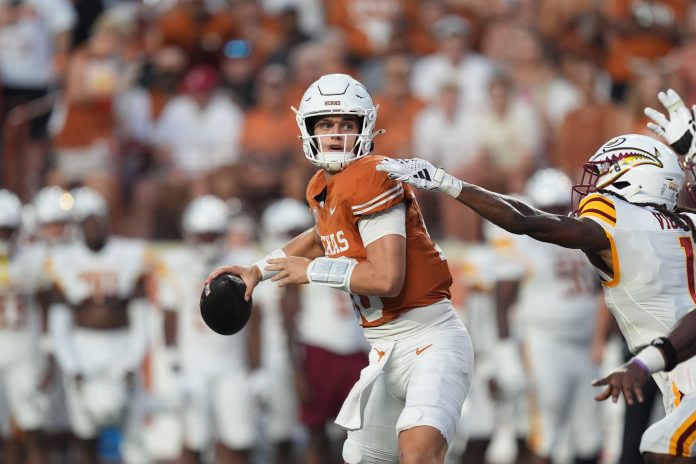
[(454, 61), (197, 140)]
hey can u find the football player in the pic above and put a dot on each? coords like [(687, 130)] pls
[(98, 323), (212, 371), (327, 346), (641, 245), (369, 240), (556, 301), (22, 405)]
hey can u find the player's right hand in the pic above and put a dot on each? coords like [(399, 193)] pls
[(510, 378), (627, 380), (250, 275), (680, 128), (415, 171)]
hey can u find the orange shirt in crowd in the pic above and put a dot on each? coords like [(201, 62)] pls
[(641, 44), (270, 133), (396, 117)]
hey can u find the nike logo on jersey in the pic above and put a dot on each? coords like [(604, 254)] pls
[(380, 354), (331, 210), (422, 349)]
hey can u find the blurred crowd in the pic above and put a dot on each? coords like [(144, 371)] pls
[(153, 104)]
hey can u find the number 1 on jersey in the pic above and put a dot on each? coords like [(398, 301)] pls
[(688, 247)]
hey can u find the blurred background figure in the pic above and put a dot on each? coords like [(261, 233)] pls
[(327, 347), (98, 322), (210, 374), (196, 143), (24, 406)]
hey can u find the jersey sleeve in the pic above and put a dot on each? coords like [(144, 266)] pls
[(600, 209), (373, 191)]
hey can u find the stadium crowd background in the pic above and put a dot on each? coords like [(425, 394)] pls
[(154, 103)]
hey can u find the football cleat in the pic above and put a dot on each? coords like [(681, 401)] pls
[(222, 305)]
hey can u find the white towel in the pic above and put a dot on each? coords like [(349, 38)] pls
[(350, 417)]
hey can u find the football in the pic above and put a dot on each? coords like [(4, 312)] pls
[(222, 304)]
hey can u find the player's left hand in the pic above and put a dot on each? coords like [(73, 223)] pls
[(627, 379), (680, 128), (291, 270)]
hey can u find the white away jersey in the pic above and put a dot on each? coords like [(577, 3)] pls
[(559, 292), (112, 272), (653, 283)]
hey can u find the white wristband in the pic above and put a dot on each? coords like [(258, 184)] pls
[(331, 272), (652, 358), (448, 184), (262, 263)]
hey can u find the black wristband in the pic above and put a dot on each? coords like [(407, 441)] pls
[(670, 354)]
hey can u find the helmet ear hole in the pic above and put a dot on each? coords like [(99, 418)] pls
[(621, 185)]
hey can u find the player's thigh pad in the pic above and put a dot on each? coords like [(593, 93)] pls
[(234, 410), (376, 442), (674, 434), (433, 373)]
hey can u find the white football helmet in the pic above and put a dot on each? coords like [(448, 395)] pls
[(206, 214), (52, 204), (549, 187), (637, 167), (88, 203), (336, 94), (10, 210), (283, 218)]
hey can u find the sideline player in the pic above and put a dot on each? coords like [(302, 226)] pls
[(211, 371), (22, 405), (98, 323), (370, 241), (556, 302), (329, 349), (640, 243)]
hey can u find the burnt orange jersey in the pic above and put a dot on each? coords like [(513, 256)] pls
[(360, 190)]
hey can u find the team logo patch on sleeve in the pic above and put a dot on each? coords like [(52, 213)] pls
[(598, 207)]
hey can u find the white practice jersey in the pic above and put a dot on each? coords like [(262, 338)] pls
[(19, 315), (653, 283), (328, 320), (112, 272), (181, 276), (559, 292)]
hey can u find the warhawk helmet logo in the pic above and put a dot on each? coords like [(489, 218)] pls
[(614, 163)]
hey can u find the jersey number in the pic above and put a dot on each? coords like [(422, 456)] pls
[(688, 247), (369, 307)]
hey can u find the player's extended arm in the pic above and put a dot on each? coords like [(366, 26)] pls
[(382, 273), (509, 213), (663, 354), (307, 245)]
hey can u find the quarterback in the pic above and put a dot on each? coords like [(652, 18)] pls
[(640, 243), (369, 240)]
